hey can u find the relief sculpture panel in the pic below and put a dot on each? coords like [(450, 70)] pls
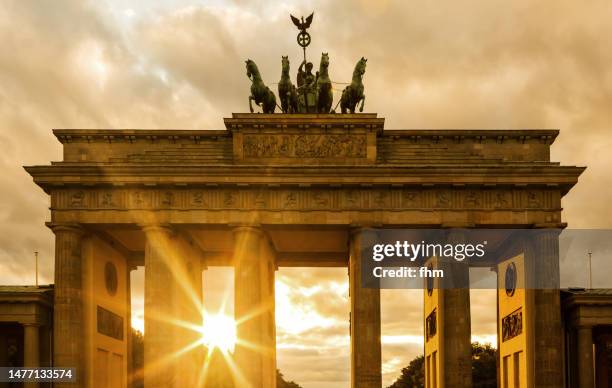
[(304, 146), (349, 198)]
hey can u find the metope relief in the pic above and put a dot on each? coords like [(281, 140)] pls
[(512, 325), (349, 198)]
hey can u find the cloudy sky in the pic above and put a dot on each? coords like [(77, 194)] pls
[(180, 64)]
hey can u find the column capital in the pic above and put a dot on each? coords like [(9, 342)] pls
[(246, 228), (550, 226), (57, 227), (157, 227), (455, 232), (31, 324), (360, 228)]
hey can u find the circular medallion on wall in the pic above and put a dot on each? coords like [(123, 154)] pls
[(510, 279), (110, 278)]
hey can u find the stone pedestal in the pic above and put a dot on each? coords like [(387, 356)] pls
[(254, 267), (68, 332), (585, 357), (366, 359)]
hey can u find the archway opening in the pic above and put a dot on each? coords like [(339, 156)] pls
[(312, 326)]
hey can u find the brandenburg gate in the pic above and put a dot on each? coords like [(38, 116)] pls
[(298, 190)]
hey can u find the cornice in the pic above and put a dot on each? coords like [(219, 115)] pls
[(543, 135), (550, 176), (377, 173), (131, 135), (546, 136), (240, 121)]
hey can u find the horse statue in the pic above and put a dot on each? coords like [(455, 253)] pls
[(325, 94), (286, 90), (260, 93), (353, 93)]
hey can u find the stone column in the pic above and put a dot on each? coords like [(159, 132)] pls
[(68, 330), (31, 349), (585, 357), (160, 285), (254, 267), (457, 331), (366, 361), (548, 352)]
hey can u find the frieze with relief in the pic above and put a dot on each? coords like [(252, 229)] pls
[(304, 199), (305, 146)]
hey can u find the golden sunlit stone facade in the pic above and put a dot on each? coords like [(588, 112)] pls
[(269, 191)]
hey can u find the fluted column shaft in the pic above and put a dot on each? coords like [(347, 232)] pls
[(173, 309), (159, 341), (187, 270), (366, 361), (547, 321), (68, 330), (254, 268), (457, 362), (31, 342)]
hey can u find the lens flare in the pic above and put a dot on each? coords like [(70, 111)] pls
[(219, 332)]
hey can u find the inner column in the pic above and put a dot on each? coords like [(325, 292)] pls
[(161, 345), (457, 319), (254, 266), (448, 350), (31, 349), (544, 264), (173, 310), (366, 361)]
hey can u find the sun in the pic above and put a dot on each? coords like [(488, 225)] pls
[(219, 332)]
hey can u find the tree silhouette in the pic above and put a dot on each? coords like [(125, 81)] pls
[(484, 369), (412, 376), (281, 383)]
